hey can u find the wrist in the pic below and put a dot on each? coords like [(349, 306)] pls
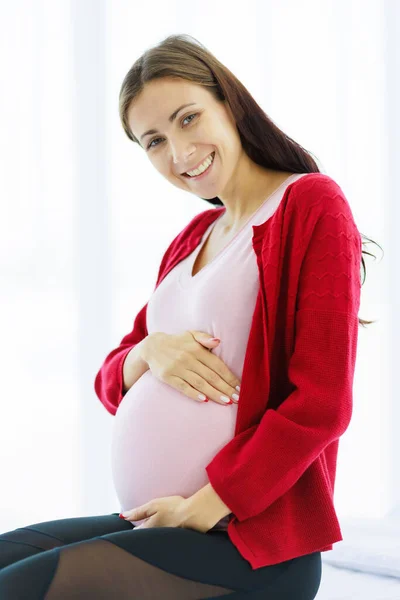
[(145, 345), (207, 503), (133, 367)]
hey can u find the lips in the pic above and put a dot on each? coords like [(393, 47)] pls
[(198, 165)]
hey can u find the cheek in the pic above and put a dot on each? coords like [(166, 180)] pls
[(159, 165)]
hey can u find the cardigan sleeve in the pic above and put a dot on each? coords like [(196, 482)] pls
[(262, 462), (108, 383)]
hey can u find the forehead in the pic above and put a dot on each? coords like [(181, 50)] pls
[(160, 98)]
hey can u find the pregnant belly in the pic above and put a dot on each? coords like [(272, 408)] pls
[(162, 441)]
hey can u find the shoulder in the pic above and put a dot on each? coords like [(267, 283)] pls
[(189, 235), (317, 193), (197, 226), (203, 219), (317, 206)]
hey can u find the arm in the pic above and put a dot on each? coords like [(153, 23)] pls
[(261, 463), (135, 363), (109, 381), (208, 504), (133, 366)]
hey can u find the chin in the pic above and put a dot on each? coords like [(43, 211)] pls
[(210, 197)]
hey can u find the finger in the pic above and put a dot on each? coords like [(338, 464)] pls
[(133, 513), (215, 366), (145, 525), (140, 512)]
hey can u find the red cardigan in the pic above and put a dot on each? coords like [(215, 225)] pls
[(277, 474)]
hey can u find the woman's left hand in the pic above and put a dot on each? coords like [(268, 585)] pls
[(171, 511)]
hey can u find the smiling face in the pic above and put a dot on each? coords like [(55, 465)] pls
[(197, 131)]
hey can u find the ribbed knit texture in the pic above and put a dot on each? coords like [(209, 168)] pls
[(277, 474)]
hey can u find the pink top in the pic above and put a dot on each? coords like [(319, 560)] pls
[(162, 440)]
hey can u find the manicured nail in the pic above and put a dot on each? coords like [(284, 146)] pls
[(121, 516), (237, 388)]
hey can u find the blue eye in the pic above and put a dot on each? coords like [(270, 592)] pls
[(155, 139), (150, 145), (193, 115)]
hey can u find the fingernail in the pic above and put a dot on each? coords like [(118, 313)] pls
[(215, 340), (237, 388), (121, 516), (235, 397)]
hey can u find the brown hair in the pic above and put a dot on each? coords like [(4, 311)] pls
[(182, 56)]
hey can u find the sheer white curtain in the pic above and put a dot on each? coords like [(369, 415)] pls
[(86, 219)]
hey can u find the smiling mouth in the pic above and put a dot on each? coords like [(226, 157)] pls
[(208, 168)]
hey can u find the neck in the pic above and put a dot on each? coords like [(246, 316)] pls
[(242, 200)]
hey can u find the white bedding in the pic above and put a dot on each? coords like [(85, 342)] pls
[(345, 584), (365, 565)]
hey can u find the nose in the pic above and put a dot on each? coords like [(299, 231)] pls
[(181, 154)]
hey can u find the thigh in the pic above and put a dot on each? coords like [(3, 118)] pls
[(161, 562), (213, 559), (38, 537)]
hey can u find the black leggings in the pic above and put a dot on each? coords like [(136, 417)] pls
[(103, 557)]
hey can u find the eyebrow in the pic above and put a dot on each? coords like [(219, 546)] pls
[(171, 118)]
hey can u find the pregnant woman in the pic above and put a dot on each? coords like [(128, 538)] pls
[(232, 389)]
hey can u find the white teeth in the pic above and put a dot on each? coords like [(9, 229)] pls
[(202, 167)]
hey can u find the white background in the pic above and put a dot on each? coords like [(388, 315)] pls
[(85, 219)]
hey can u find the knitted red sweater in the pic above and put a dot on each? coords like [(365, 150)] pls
[(277, 474)]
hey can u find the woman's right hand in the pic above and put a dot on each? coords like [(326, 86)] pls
[(184, 361)]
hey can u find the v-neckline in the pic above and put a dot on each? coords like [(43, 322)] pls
[(212, 225), (202, 244)]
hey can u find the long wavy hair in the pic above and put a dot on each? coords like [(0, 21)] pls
[(182, 56)]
